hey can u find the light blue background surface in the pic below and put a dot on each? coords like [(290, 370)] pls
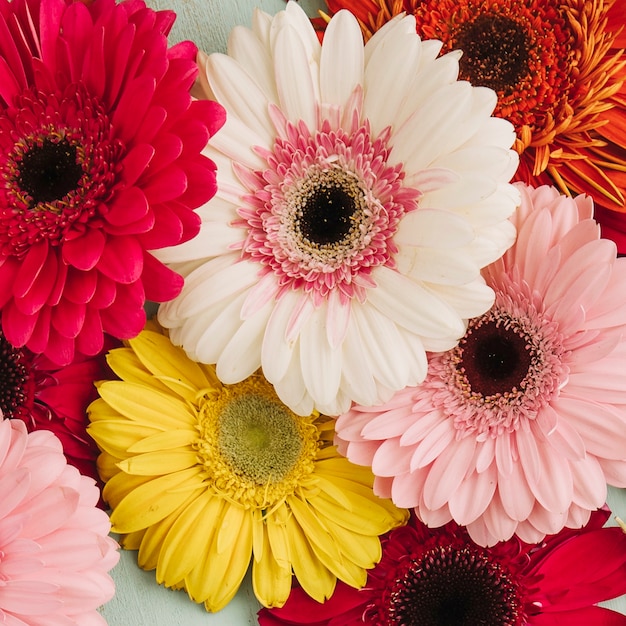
[(139, 601)]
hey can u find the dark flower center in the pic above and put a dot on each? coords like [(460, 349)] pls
[(495, 52), (327, 213), (449, 586), (14, 380), (494, 358), (49, 171)]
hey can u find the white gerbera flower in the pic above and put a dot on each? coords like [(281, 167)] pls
[(361, 189)]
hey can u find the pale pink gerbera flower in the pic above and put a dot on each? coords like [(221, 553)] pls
[(519, 428), (54, 544), (360, 191)]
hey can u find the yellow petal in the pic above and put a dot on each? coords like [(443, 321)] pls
[(276, 529), (187, 543), (152, 542), (169, 364), (117, 435), (159, 463), (151, 502), (124, 362), (258, 534), (167, 440), (271, 581), (146, 405), (314, 577), (316, 533), (120, 485)]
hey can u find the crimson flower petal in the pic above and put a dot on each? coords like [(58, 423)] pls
[(85, 251)]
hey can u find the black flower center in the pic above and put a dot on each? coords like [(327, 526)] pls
[(449, 586), (49, 171), (495, 52), (14, 380), (495, 358), (328, 213)]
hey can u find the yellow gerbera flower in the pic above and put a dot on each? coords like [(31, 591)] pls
[(203, 476)]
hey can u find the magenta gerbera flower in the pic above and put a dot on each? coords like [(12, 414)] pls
[(54, 544), (519, 428), (441, 578), (100, 163)]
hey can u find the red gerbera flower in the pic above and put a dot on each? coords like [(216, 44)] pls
[(558, 69), (439, 577), (100, 162), (48, 397)]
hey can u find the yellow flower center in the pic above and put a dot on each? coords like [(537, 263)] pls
[(255, 450)]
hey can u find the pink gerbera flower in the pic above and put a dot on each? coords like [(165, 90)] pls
[(441, 578), (46, 396), (99, 164), (519, 428), (54, 544)]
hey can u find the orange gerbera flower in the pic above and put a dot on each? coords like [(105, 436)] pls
[(559, 71)]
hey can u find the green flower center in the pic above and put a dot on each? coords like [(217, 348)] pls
[(255, 450), (259, 438)]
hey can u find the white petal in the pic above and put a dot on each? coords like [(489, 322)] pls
[(434, 228), (297, 77), (320, 363), (341, 62), (220, 237), (411, 306), (291, 388), (469, 300), (241, 356)]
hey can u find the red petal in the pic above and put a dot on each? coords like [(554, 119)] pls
[(168, 227), (59, 349), (132, 106), (8, 270), (39, 338), (85, 251), (104, 296), (167, 148), (589, 616), (122, 259), (160, 282), (129, 205), (201, 182), (210, 112), (165, 185), (41, 288)]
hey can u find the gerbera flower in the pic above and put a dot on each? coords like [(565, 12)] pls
[(441, 578), (99, 164), (558, 69), (519, 428), (360, 191), (56, 552), (203, 476), (46, 396)]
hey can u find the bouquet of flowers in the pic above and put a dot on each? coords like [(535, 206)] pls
[(341, 308)]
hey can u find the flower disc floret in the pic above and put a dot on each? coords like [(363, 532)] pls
[(361, 191)]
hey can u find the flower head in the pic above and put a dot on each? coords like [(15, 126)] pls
[(558, 69), (54, 544), (441, 578), (518, 428), (203, 476), (360, 192), (100, 163), (48, 397)]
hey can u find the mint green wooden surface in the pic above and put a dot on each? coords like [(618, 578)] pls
[(139, 601)]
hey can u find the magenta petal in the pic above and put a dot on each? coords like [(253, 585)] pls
[(165, 185), (84, 252), (40, 290), (105, 293), (136, 162), (202, 182), (211, 112), (168, 147), (126, 317), (90, 340), (31, 266), (160, 282), (168, 228), (8, 271), (9, 86), (80, 286), (68, 318), (16, 326), (39, 337), (129, 205), (122, 260), (60, 349), (589, 616), (132, 106)]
